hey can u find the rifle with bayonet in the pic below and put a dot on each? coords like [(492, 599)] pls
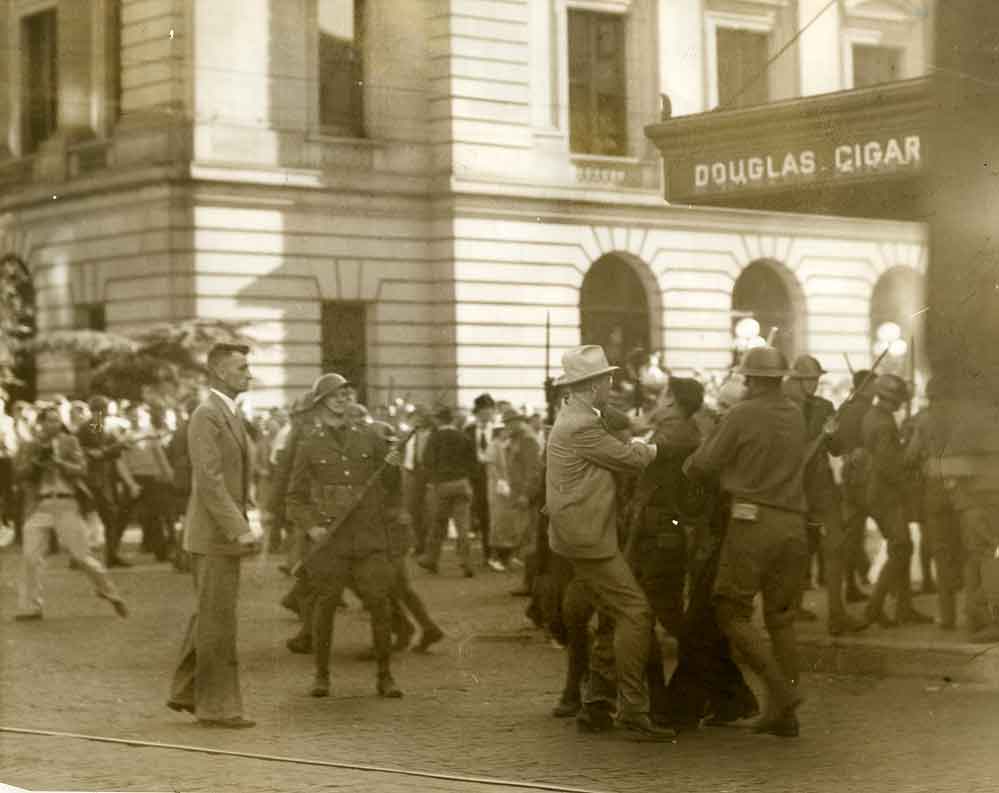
[(812, 450), (550, 389)]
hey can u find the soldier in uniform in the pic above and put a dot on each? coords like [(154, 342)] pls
[(757, 452), (941, 526), (885, 501), (825, 507), (338, 487), (849, 443)]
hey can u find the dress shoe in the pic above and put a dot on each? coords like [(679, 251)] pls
[(854, 595), (986, 635), (291, 603), (283, 568), (784, 726), (725, 716), (430, 636), (320, 687), (387, 687), (426, 564), (469, 572), (805, 615), (911, 616), (180, 707), (497, 565), (567, 708), (235, 723), (28, 616), (117, 561), (301, 645), (880, 618), (641, 728), (846, 624), (593, 718), (120, 608)]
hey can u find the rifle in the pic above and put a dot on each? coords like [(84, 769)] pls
[(550, 389), (337, 522), (819, 442)]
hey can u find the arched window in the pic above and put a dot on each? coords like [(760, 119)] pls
[(614, 309), (769, 293)]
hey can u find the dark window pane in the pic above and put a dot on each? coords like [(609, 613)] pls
[(597, 101), (875, 65), (113, 60), (341, 74), (742, 56), (344, 341), (41, 79)]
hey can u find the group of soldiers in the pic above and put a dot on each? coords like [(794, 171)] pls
[(705, 514), (709, 514)]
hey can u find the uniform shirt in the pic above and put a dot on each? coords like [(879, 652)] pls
[(883, 444), (851, 418), (449, 455), (821, 490), (757, 451)]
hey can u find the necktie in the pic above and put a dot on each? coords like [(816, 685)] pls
[(482, 440)]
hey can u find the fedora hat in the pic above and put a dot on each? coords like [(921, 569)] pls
[(584, 363)]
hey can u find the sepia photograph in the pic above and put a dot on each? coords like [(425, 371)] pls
[(481, 396)]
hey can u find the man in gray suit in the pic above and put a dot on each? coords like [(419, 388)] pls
[(583, 527), (217, 535)]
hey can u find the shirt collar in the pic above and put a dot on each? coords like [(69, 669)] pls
[(229, 401)]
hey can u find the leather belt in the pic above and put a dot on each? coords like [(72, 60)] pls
[(55, 495)]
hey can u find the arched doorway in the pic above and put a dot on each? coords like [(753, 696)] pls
[(614, 309), (769, 293), (896, 316)]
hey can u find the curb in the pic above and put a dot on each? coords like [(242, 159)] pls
[(952, 662)]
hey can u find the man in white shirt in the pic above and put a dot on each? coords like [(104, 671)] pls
[(480, 432)]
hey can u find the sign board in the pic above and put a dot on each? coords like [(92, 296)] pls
[(827, 161)]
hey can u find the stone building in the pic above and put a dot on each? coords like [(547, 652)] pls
[(406, 190)]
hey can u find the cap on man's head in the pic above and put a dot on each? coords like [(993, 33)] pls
[(483, 401), (99, 403), (444, 414)]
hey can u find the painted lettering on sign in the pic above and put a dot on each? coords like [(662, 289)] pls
[(844, 160)]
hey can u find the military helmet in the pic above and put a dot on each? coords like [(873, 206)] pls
[(892, 388), (327, 384), (806, 367), (764, 362)]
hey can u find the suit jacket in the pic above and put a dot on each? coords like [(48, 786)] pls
[(220, 480), (581, 494), (73, 471), (478, 477)]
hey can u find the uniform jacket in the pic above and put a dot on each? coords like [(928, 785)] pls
[(73, 470), (220, 480), (328, 476), (821, 490), (887, 461), (580, 494)]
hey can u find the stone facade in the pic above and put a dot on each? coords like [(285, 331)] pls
[(461, 220)]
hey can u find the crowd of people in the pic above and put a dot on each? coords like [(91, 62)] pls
[(671, 506)]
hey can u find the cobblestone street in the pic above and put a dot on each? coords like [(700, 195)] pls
[(477, 707)]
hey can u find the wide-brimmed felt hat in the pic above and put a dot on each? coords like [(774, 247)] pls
[(511, 415), (584, 363)]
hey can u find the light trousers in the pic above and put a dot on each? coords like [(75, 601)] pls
[(63, 516)]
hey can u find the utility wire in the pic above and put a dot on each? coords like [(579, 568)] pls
[(752, 80)]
